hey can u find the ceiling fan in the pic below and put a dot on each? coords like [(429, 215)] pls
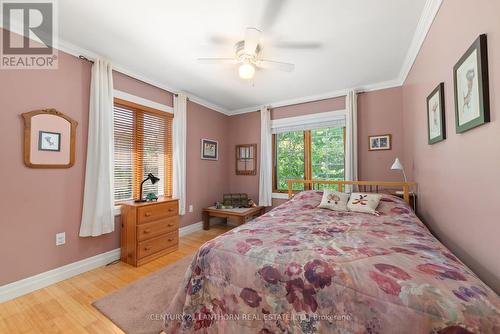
[(247, 53)]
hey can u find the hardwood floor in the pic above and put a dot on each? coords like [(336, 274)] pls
[(66, 307)]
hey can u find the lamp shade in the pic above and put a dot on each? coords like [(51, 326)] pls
[(397, 165), (153, 178)]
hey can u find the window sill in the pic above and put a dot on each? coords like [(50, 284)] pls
[(118, 210), (280, 195)]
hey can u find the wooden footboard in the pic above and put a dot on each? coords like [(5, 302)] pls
[(364, 186)]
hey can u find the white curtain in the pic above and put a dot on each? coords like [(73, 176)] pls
[(351, 145), (98, 199), (266, 158), (179, 143)]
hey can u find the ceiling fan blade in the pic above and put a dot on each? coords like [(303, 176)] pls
[(273, 8), (220, 40), (275, 65), (252, 36), (217, 60), (298, 45)]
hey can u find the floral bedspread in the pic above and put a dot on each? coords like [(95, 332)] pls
[(301, 269)]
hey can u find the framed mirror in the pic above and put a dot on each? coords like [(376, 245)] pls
[(246, 159), (49, 139)]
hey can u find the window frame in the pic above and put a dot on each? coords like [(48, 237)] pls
[(137, 166), (307, 160)]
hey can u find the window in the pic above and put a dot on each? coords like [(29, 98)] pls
[(308, 154), (143, 145)]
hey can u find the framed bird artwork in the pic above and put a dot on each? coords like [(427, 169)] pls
[(436, 124), (470, 78)]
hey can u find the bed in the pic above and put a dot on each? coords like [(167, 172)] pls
[(301, 269)]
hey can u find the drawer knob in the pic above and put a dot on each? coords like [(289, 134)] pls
[(170, 240), (147, 231), (147, 248), (170, 209), (170, 225), (148, 214)]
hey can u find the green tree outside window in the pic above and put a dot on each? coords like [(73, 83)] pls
[(326, 151)]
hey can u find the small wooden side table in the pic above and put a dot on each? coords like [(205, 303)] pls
[(241, 214)]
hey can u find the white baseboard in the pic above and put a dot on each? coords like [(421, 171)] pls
[(27, 285), (42, 280), (190, 228)]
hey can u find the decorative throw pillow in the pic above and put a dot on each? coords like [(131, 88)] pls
[(367, 203), (334, 200)]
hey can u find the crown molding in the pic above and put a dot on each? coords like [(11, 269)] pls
[(76, 51), (318, 97), (289, 102), (429, 13), (208, 104)]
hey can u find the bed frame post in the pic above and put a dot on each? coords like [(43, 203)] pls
[(406, 193), (290, 189)]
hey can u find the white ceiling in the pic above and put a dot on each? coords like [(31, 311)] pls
[(364, 43)]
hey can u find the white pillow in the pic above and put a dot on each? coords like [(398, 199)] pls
[(334, 200), (367, 203)]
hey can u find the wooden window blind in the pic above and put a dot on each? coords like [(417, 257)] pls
[(143, 145)]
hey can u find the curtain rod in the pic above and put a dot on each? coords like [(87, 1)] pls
[(177, 94), (86, 59), (91, 61)]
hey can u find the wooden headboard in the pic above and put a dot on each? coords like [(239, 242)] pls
[(364, 186)]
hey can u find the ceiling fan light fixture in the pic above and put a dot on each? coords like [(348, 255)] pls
[(246, 71)]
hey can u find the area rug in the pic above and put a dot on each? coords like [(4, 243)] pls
[(137, 308)]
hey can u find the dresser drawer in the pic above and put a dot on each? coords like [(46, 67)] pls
[(157, 244), (154, 212), (151, 230)]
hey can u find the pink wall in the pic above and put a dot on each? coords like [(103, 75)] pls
[(458, 178), (308, 108), (130, 85), (38, 203), (202, 123), (244, 129), (380, 112), (206, 179)]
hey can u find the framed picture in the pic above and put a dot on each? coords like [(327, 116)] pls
[(436, 126), (470, 79), (209, 149), (49, 141), (379, 143)]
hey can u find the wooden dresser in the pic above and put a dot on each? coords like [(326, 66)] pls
[(149, 230)]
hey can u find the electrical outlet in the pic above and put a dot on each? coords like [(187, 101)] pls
[(60, 238), (190, 207)]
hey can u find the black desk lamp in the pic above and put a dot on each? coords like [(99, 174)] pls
[(153, 179)]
